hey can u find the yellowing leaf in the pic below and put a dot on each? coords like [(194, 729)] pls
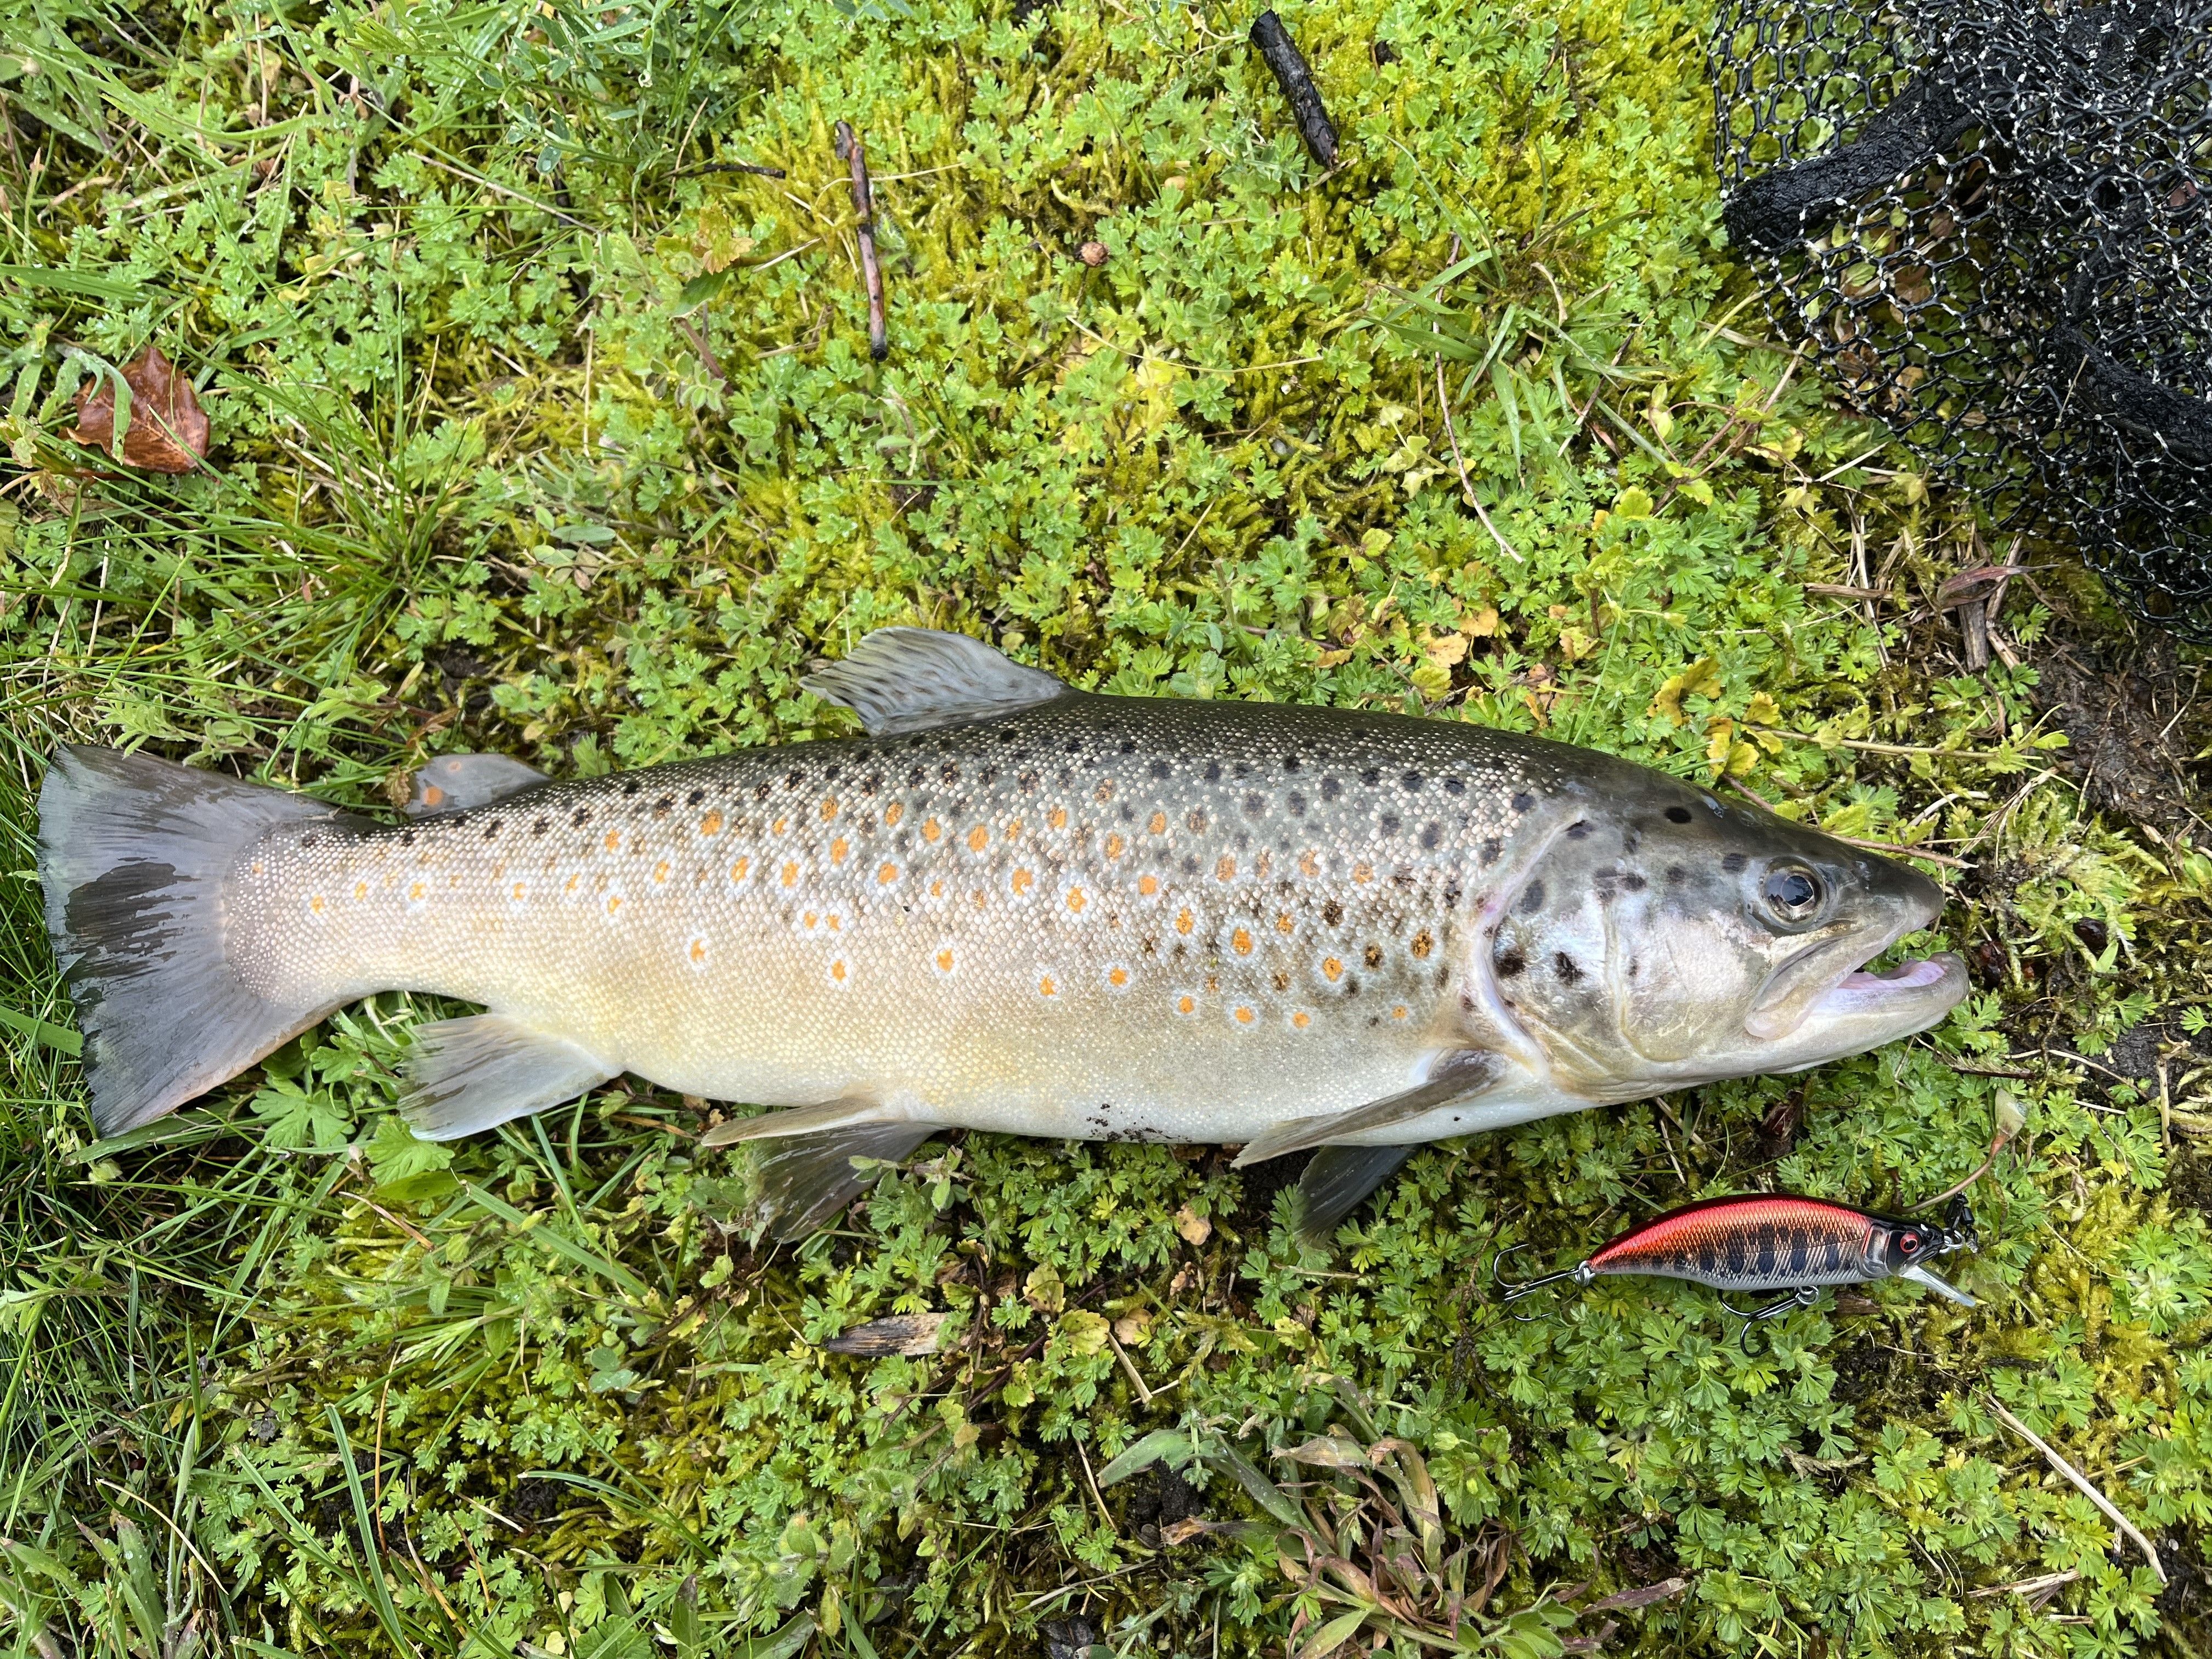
[(1448, 649), (1479, 624), (1132, 1329), (1763, 711), (1084, 1333), (1701, 678), (1635, 502), (1043, 1289)]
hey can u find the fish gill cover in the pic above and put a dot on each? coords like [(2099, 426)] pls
[(1990, 221), (532, 341)]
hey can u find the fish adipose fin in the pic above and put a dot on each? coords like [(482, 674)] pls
[(473, 1073), (456, 783), (1339, 1178), (134, 853), (909, 679), (800, 1182), (1455, 1077)]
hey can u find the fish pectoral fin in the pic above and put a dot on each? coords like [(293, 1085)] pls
[(455, 783), (1455, 1077), (909, 679), (473, 1074), (800, 1182), (1339, 1178)]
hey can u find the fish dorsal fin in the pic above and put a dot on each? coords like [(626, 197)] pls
[(455, 783), (909, 679)]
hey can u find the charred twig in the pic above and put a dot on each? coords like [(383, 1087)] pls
[(871, 271), (1297, 81)]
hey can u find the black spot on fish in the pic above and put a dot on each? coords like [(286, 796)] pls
[(1028, 782), (1390, 824), (1451, 902), (539, 828), (1296, 803), (1332, 913), (1432, 836), (1352, 985), (1454, 787), (1490, 850), (1373, 775), (791, 780), (1563, 965), (1443, 974), (1733, 863), (631, 786), (1412, 782), (1074, 745), (988, 776), (1197, 821), (1633, 882), (1678, 815), (1214, 771), (695, 797), (1191, 865), (1578, 830), (1253, 803), (491, 830), (1524, 801), (1373, 956), (581, 818), (915, 775), (1675, 874), (1158, 769), (948, 773), (1009, 733), (1241, 769), (1330, 788), (1290, 763), (871, 783), (1282, 981), (832, 772), (406, 837), (1531, 900), (664, 805), (1509, 964), (1402, 878), (1128, 745)]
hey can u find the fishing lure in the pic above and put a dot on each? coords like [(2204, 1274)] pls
[(1769, 1241)]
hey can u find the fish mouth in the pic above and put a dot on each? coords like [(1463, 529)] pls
[(1922, 983)]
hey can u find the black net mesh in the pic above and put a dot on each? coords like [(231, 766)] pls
[(1991, 221)]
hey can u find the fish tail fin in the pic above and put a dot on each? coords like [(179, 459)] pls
[(133, 855)]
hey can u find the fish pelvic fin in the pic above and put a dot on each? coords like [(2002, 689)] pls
[(909, 679), (799, 1182), (1339, 1179), (856, 1113), (1455, 1077), (458, 783), (476, 1072), (134, 854)]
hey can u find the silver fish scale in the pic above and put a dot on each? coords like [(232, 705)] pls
[(1102, 917)]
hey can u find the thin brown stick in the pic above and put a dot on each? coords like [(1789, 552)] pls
[(707, 357), (2081, 1483), (1467, 489), (850, 150)]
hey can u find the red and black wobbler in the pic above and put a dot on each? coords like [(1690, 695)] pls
[(1774, 1241)]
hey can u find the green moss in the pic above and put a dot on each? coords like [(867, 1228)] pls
[(535, 435)]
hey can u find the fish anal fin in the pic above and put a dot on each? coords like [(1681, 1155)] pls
[(798, 1183), (1339, 1179), (909, 679), (1455, 1077), (458, 783), (475, 1072)]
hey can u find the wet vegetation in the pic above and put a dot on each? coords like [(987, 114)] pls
[(542, 419)]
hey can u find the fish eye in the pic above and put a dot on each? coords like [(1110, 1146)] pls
[(1794, 893), (1908, 1243)]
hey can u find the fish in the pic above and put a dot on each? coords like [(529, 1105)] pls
[(1011, 906), (1768, 1241)]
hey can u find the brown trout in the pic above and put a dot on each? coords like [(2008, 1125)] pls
[(1009, 906)]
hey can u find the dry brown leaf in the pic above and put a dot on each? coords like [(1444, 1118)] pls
[(1195, 1228), (908, 1335), (168, 432)]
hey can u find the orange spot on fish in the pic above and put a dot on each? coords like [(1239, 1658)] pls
[(791, 873), (418, 892), (1363, 872), (1301, 1019), (1400, 1011), (1241, 942), (937, 888), (1117, 976), (892, 814), (698, 950), (837, 850), (1014, 830), (978, 838), (1243, 1015), (778, 826), (614, 840), (660, 871), (1148, 885), (1226, 869), (810, 919), (520, 887), (1185, 921), (1186, 1004), (1115, 845), (829, 809), (1046, 987), (316, 904), (614, 903), (711, 825), (1059, 819), (740, 869), (838, 971), (945, 961), (1308, 865), (931, 830), (887, 874), (1076, 900), (1158, 825), (1021, 881), (573, 882), (257, 867), (1332, 968), (361, 889), (1283, 924)]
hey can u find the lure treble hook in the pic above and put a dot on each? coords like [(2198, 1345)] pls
[(1581, 1274)]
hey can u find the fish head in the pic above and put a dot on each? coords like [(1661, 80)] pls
[(1666, 938)]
